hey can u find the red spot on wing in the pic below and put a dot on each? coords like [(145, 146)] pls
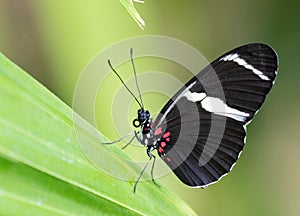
[(158, 131), (168, 139), (163, 144), (167, 134), (153, 123), (160, 150), (168, 159)]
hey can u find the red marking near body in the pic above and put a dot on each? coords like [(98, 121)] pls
[(153, 123), (168, 139), (158, 131), (160, 150), (167, 134), (163, 144), (168, 159)]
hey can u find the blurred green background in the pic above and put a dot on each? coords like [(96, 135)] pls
[(54, 40)]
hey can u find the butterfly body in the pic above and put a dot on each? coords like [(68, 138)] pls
[(152, 138)]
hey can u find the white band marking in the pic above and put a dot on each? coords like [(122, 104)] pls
[(215, 105), (194, 96), (236, 58)]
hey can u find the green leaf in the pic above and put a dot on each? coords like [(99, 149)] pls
[(43, 170), (128, 5)]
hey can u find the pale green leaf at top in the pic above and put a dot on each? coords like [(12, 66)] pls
[(129, 6), (43, 169)]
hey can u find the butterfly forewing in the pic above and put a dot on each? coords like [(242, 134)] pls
[(204, 123)]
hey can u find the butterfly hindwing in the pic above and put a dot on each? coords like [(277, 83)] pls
[(205, 120)]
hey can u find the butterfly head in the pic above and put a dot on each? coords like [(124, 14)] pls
[(143, 120)]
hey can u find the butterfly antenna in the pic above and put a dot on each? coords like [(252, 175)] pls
[(136, 82), (109, 63)]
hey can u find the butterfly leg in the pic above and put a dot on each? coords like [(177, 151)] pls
[(138, 179), (152, 168), (130, 141), (150, 158), (118, 140)]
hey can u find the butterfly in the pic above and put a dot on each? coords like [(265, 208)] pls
[(201, 131)]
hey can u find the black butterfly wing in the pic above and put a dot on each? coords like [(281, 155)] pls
[(204, 123)]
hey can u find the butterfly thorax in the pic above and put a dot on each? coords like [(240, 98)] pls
[(145, 136), (152, 136)]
